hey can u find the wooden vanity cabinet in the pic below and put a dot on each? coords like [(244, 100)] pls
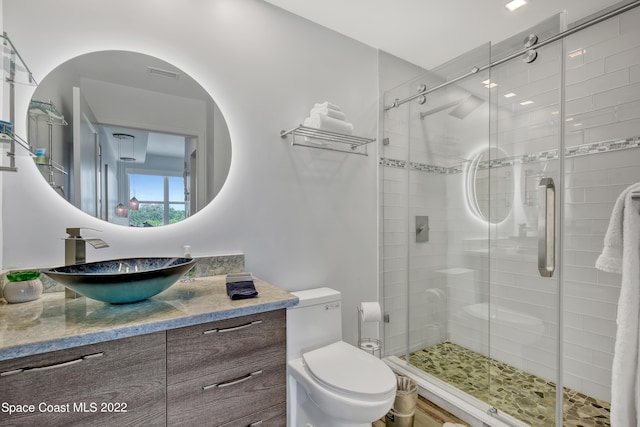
[(115, 383), (225, 373), (228, 373)]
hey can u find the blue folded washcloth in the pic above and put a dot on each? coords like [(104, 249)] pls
[(241, 290)]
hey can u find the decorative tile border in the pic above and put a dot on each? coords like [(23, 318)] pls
[(543, 156), (435, 169), (423, 167), (392, 163), (206, 266)]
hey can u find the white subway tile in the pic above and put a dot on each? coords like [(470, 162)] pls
[(590, 291), (578, 105), (595, 35), (623, 175), (581, 369), (598, 84), (610, 279), (610, 193), (634, 74), (602, 359), (600, 326), (580, 274), (625, 59), (585, 72), (585, 259), (600, 309), (620, 95), (629, 21), (629, 111), (587, 339)]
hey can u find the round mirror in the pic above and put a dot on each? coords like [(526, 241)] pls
[(489, 185), (129, 138)]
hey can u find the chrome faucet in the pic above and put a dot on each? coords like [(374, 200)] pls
[(75, 251)]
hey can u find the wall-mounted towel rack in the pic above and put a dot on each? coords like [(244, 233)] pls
[(305, 136)]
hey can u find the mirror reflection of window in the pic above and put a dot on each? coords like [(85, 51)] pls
[(161, 200)]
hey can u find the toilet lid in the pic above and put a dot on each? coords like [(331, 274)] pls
[(347, 368)]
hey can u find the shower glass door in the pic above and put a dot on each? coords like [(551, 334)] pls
[(469, 192), (524, 196), (497, 191), (448, 267)]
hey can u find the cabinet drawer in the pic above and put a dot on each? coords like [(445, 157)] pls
[(200, 350), (275, 416), (240, 391), (89, 385)]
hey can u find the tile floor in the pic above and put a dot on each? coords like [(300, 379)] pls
[(518, 393)]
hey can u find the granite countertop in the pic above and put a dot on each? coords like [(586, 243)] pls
[(54, 323)]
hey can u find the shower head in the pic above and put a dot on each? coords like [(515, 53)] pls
[(463, 107)]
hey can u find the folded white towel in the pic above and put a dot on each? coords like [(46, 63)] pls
[(327, 104), (319, 121), (330, 112), (621, 254)]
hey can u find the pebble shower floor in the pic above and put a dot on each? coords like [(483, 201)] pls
[(522, 395)]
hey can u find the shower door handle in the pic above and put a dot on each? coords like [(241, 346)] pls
[(546, 227)]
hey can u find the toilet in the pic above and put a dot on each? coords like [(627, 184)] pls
[(331, 383)]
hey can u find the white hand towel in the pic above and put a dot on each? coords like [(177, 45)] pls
[(319, 121), (327, 104), (610, 259), (621, 254), (330, 112)]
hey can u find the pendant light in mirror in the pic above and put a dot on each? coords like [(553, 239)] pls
[(134, 204), (121, 209)]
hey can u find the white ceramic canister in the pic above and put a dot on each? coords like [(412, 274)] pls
[(24, 291)]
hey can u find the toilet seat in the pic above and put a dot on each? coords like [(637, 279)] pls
[(351, 371)]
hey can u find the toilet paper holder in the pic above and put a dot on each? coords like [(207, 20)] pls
[(370, 345)]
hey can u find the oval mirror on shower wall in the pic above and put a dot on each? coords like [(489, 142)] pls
[(489, 185), (111, 126)]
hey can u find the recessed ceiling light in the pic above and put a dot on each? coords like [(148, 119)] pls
[(526, 102), (488, 84), (515, 4), (578, 124), (568, 119), (509, 95), (555, 112)]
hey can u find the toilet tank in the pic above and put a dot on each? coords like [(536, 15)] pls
[(315, 322)]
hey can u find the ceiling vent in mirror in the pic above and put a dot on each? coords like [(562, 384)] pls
[(162, 73)]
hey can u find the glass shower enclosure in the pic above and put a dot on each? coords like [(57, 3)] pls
[(497, 185)]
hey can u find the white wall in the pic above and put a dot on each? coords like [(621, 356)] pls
[(303, 218)]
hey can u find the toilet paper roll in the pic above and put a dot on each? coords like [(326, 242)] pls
[(370, 312)]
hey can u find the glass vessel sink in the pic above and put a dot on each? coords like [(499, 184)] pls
[(122, 280)]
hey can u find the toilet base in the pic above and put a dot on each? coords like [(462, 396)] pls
[(309, 415), (303, 412)]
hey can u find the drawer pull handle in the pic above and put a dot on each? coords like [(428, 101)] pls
[(233, 328), (53, 366), (232, 382), (257, 423)]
